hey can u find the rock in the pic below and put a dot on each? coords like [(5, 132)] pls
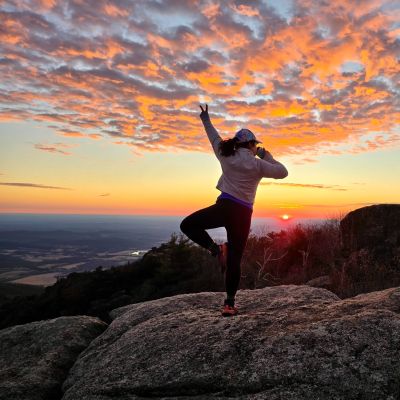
[(35, 357), (288, 342), (321, 281), (371, 227), (371, 247)]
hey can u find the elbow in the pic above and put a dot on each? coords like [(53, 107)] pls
[(283, 173)]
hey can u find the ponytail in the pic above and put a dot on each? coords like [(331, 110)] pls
[(228, 147)]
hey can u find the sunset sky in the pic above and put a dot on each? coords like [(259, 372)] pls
[(99, 103)]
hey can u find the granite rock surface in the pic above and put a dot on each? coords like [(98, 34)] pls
[(288, 342), (35, 357)]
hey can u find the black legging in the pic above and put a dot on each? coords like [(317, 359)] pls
[(236, 218)]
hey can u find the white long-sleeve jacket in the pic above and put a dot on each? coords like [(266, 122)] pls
[(242, 172)]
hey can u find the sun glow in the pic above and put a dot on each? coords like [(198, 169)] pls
[(285, 217)]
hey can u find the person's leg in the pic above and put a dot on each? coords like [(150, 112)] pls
[(238, 230), (194, 226)]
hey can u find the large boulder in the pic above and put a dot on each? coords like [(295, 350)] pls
[(35, 357), (288, 342), (376, 226), (371, 247)]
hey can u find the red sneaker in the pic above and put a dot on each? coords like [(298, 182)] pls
[(228, 310), (222, 256)]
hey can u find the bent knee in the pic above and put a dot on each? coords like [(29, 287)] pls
[(184, 226)]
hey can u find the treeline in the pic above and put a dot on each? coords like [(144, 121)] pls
[(295, 256)]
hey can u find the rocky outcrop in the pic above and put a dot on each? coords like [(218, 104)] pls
[(288, 342), (370, 239), (373, 227), (35, 357)]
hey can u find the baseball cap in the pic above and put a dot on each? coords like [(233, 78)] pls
[(245, 135)]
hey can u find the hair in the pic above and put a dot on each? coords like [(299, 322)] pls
[(228, 147)]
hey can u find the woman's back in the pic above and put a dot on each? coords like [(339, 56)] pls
[(240, 175)]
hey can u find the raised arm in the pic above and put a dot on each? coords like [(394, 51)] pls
[(269, 167), (212, 133)]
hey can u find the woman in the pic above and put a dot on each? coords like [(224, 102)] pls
[(241, 174)]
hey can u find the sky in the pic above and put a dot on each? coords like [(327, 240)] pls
[(99, 103)]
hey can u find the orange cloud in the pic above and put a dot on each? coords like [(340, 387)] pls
[(71, 133), (246, 10), (95, 136), (318, 74)]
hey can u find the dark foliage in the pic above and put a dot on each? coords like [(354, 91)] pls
[(294, 256)]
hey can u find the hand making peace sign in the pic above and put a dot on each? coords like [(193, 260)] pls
[(204, 112)]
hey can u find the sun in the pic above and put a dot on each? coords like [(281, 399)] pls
[(285, 217)]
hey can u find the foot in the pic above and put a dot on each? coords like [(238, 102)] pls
[(228, 310), (222, 256)]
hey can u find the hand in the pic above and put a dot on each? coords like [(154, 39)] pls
[(261, 152), (204, 112)]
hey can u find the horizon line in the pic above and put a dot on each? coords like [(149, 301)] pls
[(142, 215)]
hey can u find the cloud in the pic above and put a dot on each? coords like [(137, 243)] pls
[(319, 72), (196, 65), (33, 185), (306, 160), (306, 185), (354, 205), (55, 148), (70, 133), (95, 136), (104, 195)]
